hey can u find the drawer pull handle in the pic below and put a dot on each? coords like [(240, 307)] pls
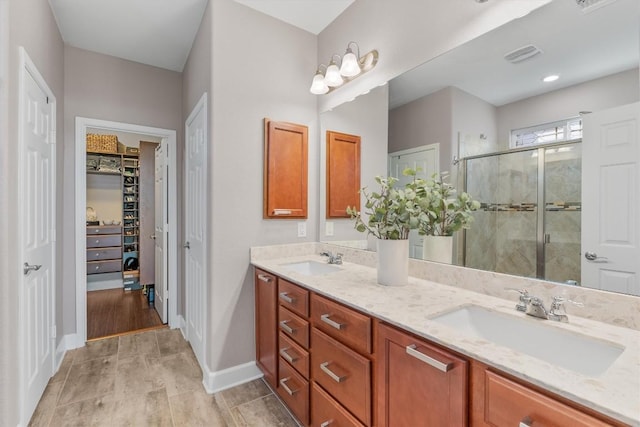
[(264, 278), (326, 423), (526, 422), (287, 328), (97, 241), (325, 318), (285, 297), (411, 351), (287, 356), (283, 383), (282, 211), (325, 368), (97, 267)]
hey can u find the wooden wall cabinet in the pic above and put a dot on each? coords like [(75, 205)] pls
[(285, 170), (343, 173), (419, 383)]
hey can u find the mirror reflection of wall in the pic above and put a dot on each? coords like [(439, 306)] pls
[(470, 99)]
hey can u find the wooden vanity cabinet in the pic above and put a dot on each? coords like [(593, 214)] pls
[(266, 288), (499, 400), (419, 384)]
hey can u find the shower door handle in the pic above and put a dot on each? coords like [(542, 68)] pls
[(592, 256)]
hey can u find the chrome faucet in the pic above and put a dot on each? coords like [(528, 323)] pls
[(333, 259), (534, 306)]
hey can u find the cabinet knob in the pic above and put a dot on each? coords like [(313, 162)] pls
[(97, 241)]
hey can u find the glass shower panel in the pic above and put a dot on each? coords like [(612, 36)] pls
[(563, 170), (503, 235)]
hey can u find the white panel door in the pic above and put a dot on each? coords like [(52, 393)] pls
[(160, 229), (611, 200), (37, 212), (196, 226), (427, 160)]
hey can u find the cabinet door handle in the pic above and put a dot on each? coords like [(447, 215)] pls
[(287, 328), (325, 368), (285, 297), (326, 423), (325, 318), (526, 422), (264, 278), (287, 356), (283, 383), (411, 351)]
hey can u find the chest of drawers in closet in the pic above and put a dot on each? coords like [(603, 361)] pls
[(104, 249)]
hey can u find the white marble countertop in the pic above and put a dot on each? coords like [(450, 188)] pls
[(616, 392)]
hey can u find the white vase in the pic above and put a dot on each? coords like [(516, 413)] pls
[(438, 249), (393, 262)]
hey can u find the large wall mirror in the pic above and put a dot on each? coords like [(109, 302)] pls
[(484, 115)]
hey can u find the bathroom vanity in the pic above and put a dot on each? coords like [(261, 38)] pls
[(340, 349)]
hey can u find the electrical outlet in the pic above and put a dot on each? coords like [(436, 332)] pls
[(302, 229), (328, 228)]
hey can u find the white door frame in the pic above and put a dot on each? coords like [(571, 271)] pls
[(82, 123), (27, 66), (435, 146)]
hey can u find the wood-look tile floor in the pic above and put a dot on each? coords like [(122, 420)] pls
[(114, 311), (149, 379)]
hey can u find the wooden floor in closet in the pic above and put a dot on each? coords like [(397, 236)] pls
[(114, 311)]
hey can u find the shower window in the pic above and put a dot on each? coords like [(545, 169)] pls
[(564, 130)]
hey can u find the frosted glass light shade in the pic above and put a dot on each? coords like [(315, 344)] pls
[(318, 86), (350, 66), (332, 77)]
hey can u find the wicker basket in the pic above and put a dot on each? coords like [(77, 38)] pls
[(102, 143)]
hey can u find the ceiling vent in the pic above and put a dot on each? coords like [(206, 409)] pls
[(522, 53), (591, 5)]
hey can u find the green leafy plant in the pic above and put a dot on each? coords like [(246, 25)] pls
[(442, 210), (391, 211)]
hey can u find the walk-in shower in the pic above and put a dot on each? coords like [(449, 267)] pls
[(529, 222)]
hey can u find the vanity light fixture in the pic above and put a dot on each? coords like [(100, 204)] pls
[(352, 65), (550, 78)]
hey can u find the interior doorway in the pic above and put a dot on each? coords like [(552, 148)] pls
[(119, 204)]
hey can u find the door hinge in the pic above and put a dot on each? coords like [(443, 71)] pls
[(53, 331), (47, 99)]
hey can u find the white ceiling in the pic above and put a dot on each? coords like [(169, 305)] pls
[(310, 15), (161, 32), (576, 46)]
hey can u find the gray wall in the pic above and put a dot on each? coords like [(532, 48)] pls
[(45, 48), (599, 94), (368, 117), (262, 67), (108, 88)]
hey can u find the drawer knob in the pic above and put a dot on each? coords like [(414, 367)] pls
[(286, 298), (97, 254), (325, 368), (286, 356), (97, 267), (326, 319), (287, 328), (412, 351), (97, 240), (264, 278), (283, 383)]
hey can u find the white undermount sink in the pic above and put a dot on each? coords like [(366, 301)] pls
[(311, 268), (534, 337)]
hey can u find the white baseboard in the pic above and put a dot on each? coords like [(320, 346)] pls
[(68, 342), (182, 324), (221, 380)]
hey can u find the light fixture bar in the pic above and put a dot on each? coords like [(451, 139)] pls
[(351, 67)]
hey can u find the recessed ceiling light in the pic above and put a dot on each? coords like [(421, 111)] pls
[(551, 78)]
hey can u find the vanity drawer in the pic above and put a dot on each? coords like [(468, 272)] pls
[(97, 267), (293, 326), (294, 390), (343, 373), (104, 229), (293, 297), (104, 241), (327, 412), (297, 356), (344, 324), (510, 403), (101, 254)]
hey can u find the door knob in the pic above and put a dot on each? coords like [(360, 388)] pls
[(28, 268), (592, 256), (153, 236), (187, 245)]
